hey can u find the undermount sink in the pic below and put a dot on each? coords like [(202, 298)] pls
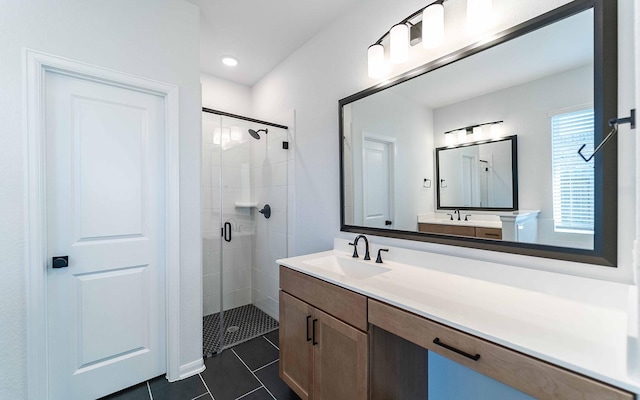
[(348, 266)]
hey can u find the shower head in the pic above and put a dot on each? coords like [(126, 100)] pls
[(256, 134)]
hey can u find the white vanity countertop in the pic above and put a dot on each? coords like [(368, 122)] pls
[(574, 322)]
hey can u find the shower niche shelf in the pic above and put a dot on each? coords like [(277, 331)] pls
[(246, 204)]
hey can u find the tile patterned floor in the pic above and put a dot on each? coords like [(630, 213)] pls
[(248, 320), (248, 371)]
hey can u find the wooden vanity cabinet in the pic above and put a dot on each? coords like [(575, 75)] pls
[(461, 230), (525, 373), (322, 356)]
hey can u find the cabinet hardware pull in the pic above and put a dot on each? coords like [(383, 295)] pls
[(462, 353), (308, 318), (314, 331)]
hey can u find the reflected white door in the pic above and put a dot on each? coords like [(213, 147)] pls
[(105, 211), (376, 183)]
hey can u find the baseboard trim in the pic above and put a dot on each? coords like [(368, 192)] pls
[(190, 369)]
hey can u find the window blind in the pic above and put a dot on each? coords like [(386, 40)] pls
[(573, 179)]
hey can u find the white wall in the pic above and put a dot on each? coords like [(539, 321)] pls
[(222, 95), (156, 39), (333, 65)]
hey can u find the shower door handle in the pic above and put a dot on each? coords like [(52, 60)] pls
[(227, 231)]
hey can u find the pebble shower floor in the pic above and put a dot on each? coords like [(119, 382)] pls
[(240, 324)]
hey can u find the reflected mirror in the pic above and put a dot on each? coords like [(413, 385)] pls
[(478, 176), (427, 143)]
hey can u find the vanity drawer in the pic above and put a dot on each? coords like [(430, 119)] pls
[(489, 233), (527, 374), (447, 229), (348, 306)]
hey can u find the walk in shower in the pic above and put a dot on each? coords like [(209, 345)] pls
[(244, 226)]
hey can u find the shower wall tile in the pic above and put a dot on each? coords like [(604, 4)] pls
[(236, 298), (211, 223), (244, 278), (291, 195), (210, 178), (277, 196), (270, 267), (279, 174), (266, 304), (275, 152), (278, 222), (210, 304), (210, 243), (211, 284), (211, 263), (278, 244), (230, 280), (237, 259), (291, 245)]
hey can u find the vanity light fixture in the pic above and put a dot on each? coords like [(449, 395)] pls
[(399, 43), (477, 133), (433, 26), (425, 25)]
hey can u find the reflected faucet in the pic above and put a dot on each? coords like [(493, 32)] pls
[(355, 247)]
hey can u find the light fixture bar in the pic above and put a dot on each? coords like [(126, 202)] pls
[(407, 20), (469, 129)]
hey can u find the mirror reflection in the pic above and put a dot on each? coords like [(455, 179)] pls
[(540, 85), (478, 176)]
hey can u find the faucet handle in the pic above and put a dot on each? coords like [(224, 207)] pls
[(466, 217), (379, 258), (450, 216), (355, 250)]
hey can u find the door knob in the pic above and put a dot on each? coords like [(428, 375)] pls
[(60, 262)]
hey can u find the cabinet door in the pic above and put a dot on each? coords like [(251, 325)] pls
[(295, 344), (339, 360)]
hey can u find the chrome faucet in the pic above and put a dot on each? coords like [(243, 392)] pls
[(366, 248)]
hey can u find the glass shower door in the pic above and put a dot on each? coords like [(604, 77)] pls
[(244, 224)]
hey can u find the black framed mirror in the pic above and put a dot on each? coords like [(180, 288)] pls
[(478, 176), (552, 81)]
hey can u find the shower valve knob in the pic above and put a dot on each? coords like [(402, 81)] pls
[(266, 211)]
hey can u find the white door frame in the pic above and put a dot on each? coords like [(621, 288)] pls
[(35, 66)]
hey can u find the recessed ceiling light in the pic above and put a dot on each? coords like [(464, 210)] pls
[(229, 61)]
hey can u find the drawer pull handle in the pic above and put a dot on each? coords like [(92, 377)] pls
[(462, 353), (308, 337), (314, 331)]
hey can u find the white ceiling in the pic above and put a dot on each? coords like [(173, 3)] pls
[(259, 33)]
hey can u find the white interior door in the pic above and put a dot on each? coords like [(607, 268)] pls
[(105, 203), (377, 180)]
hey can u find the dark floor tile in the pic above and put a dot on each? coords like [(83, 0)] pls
[(256, 352), (186, 389), (274, 336), (226, 376), (260, 394), (269, 377), (137, 392)]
